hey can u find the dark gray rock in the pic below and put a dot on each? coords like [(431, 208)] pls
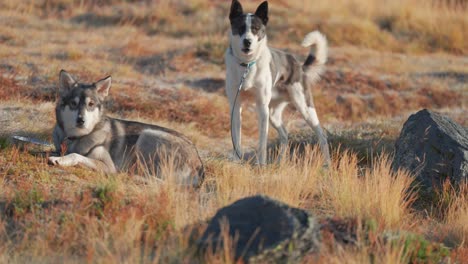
[(434, 148), (265, 230)]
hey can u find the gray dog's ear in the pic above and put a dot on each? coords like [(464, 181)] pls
[(103, 86), (236, 10), (66, 82), (262, 12)]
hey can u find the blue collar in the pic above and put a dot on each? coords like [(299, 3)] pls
[(243, 64), (248, 65)]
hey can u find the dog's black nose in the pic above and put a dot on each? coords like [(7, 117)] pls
[(247, 43), (80, 121)]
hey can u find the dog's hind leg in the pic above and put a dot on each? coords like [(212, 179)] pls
[(323, 142), (277, 123), (309, 113)]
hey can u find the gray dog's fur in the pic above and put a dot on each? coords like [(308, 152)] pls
[(97, 141)]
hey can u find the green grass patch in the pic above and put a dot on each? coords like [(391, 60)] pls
[(4, 143), (421, 250), (103, 195), (28, 200)]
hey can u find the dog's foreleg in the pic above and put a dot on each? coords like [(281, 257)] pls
[(58, 136), (277, 123), (99, 160), (263, 98), (263, 116), (75, 159)]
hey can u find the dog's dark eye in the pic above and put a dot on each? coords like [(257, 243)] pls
[(91, 104), (240, 30)]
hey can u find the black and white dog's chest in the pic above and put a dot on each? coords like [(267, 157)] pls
[(250, 79)]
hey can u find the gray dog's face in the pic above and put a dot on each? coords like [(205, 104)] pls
[(247, 30), (79, 107)]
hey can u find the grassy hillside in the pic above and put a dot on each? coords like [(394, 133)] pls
[(387, 60)]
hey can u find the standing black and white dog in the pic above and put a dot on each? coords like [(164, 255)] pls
[(275, 77)]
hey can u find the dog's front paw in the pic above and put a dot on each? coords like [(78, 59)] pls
[(55, 161), (66, 161)]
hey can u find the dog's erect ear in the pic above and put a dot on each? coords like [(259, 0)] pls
[(236, 10), (103, 86), (262, 12), (66, 82)]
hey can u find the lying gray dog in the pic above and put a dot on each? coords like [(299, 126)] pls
[(99, 142)]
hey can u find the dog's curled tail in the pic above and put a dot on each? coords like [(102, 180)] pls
[(314, 64)]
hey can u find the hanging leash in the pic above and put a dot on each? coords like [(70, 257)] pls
[(246, 72)]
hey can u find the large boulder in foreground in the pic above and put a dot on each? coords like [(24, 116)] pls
[(434, 148), (265, 230)]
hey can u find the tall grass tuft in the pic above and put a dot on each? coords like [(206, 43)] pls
[(377, 193), (456, 216)]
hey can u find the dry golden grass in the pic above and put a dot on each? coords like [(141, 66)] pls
[(352, 193), (82, 215), (360, 96), (457, 216), (387, 253), (411, 26)]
